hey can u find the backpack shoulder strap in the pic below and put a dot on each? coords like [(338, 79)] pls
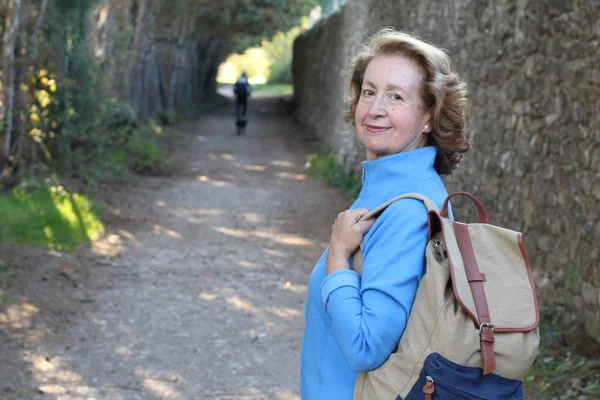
[(358, 260)]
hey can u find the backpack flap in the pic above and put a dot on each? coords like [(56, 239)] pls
[(491, 277)]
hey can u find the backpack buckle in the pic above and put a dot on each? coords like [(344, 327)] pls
[(486, 325)]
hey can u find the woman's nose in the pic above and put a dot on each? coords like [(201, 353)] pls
[(377, 108)]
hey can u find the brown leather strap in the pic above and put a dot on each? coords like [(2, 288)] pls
[(428, 389), (482, 218), (476, 279)]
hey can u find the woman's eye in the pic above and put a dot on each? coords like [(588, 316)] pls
[(368, 92), (396, 97)]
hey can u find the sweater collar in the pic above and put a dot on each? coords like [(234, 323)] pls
[(397, 170)]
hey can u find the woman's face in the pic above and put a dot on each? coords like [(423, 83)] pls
[(390, 116)]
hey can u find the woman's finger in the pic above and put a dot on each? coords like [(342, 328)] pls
[(366, 225)]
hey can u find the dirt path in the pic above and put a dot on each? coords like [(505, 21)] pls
[(196, 291)]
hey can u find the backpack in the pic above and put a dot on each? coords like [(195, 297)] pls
[(241, 89), (473, 329)]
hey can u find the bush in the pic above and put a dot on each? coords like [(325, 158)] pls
[(146, 150), (324, 166), (49, 217)]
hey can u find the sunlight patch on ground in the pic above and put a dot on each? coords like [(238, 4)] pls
[(162, 389), (227, 156), (160, 384), (207, 296), (125, 351), (285, 238), (110, 245), (204, 178), (285, 164), (233, 232), (161, 230), (254, 167), (282, 238), (287, 395), (19, 316), (57, 380), (251, 217), (284, 312), (293, 287), (287, 175), (241, 304), (275, 253), (246, 264)]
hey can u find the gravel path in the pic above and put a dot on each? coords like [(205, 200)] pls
[(197, 289)]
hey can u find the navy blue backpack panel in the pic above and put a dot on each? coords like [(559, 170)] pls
[(456, 382), (241, 89)]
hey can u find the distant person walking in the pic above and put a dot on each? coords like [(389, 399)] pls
[(242, 91)]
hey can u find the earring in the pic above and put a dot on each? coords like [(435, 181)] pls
[(426, 128)]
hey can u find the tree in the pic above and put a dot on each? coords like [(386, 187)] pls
[(157, 55), (20, 30)]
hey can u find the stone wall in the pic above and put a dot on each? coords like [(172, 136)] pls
[(533, 70)]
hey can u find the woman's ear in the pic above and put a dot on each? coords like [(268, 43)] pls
[(427, 122)]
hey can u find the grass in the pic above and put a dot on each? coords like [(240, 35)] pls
[(559, 373), (49, 217), (278, 89), (325, 167)]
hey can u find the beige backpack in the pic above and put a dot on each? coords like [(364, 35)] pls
[(476, 305)]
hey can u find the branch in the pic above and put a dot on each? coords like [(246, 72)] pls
[(39, 20)]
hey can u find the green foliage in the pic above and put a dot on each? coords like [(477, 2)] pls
[(146, 150), (51, 218), (169, 117), (272, 61), (254, 62), (280, 52), (324, 166), (559, 373), (248, 22), (93, 149), (72, 129)]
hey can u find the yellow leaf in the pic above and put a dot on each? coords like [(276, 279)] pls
[(44, 98)]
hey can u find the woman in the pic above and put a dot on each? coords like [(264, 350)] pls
[(409, 109)]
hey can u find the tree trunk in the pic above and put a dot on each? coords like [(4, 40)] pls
[(145, 91), (208, 53), (117, 48), (19, 75), (11, 33)]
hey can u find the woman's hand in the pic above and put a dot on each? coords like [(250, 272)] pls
[(346, 235)]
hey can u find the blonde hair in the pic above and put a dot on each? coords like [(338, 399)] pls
[(443, 93)]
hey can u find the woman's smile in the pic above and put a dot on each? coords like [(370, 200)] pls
[(374, 129)]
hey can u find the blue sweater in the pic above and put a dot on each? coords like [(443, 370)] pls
[(354, 324)]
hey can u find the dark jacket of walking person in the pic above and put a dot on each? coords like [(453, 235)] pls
[(409, 110), (241, 90)]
